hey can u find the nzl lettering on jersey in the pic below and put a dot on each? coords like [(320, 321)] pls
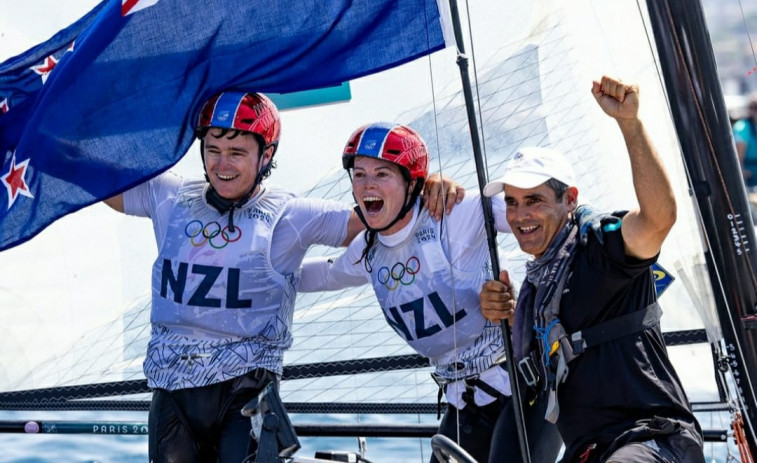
[(394, 318), (199, 297)]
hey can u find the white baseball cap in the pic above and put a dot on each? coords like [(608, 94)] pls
[(530, 167)]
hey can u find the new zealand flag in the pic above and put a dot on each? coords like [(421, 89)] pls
[(110, 101)]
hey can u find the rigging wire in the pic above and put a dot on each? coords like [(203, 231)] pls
[(462, 61), (749, 36), (444, 237), (480, 114)]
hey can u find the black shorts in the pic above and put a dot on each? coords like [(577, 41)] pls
[(204, 423), (681, 447), (656, 440)]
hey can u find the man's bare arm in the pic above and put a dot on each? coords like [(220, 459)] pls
[(644, 229)]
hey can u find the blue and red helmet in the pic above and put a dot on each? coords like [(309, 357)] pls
[(249, 112), (395, 143)]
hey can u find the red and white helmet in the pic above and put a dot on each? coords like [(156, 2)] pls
[(395, 143), (250, 112)]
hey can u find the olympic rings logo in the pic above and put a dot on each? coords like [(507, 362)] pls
[(212, 233), (399, 274)]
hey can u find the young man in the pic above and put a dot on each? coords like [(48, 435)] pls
[(224, 282), (615, 397)]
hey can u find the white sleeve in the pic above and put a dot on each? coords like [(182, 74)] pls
[(467, 218), (155, 199), (329, 274), (499, 211), (309, 221), (305, 222), (145, 199)]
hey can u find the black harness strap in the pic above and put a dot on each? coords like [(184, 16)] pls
[(616, 328), (470, 384), (475, 382)]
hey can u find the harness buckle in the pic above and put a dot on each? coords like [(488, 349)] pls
[(471, 383), (440, 380), (470, 389), (528, 371), (578, 343), (500, 360)]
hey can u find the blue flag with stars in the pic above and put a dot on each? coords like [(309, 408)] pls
[(110, 101)]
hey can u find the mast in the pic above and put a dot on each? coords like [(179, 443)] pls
[(704, 133), (491, 233)]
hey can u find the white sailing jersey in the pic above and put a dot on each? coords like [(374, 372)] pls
[(220, 307), (427, 281)]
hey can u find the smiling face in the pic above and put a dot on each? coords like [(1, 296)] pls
[(381, 192), (232, 162), (536, 215)]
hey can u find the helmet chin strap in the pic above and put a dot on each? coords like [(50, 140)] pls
[(409, 204), (224, 205)]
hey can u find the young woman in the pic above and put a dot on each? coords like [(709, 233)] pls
[(427, 276)]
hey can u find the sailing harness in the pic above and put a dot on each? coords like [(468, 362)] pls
[(470, 384), (545, 367)]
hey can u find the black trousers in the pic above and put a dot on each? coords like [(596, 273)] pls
[(204, 424)]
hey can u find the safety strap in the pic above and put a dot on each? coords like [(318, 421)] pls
[(574, 345), (488, 389), (616, 328), (442, 383), (470, 384)]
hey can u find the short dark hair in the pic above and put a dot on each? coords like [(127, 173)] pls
[(202, 132), (558, 187)]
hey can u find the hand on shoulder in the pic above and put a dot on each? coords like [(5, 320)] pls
[(440, 194)]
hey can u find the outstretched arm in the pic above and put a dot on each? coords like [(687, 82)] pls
[(644, 229), (324, 274), (116, 202)]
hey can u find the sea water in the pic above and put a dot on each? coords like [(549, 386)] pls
[(93, 448), (109, 448)]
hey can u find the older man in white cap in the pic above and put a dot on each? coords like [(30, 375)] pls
[(586, 332)]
